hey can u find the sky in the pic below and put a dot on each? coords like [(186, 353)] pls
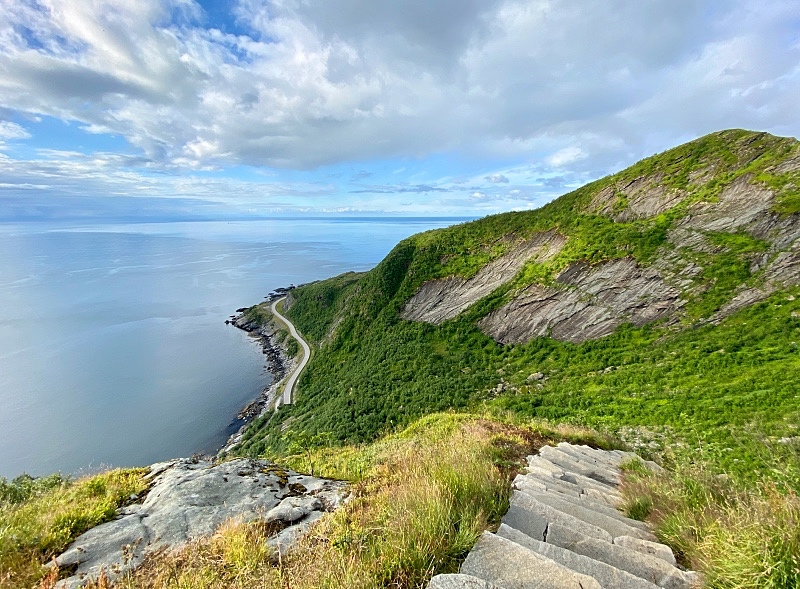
[(420, 107)]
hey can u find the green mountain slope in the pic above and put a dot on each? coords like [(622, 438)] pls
[(660, 303)]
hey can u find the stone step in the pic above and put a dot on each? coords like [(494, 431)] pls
[(656, 549), (528, 509), (609, 499), (511, 566), (544, 466), (614, 525), (589, 483), (460, 582), (648, 567), (589, 454), (612, 459), (549, 484), (562, 529), (609, 476), (599, 496), (519, 516), (599, 507), (607, 575), (576, 483)]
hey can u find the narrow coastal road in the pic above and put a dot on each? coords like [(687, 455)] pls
[(288, 390)]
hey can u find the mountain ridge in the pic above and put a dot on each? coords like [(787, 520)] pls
[(662, 264)]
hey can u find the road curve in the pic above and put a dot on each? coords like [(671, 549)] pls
[(288, 390)]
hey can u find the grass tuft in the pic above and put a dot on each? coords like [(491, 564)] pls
[(54, 512), (736, 537)]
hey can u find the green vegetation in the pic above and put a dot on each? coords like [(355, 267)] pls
[(40, 517), (726, 384), (736, 536), (421, 499)]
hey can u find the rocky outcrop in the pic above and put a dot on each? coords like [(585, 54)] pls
[(190, 499), (590, 301), (585, 303), (563, 530), (439, 300), (640, 198)]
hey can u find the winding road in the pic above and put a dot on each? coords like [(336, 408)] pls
[(288, 389)]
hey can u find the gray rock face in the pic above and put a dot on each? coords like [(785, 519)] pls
[(640, 198), (555, 530), (191, 499), (588, 302), (439, 300)]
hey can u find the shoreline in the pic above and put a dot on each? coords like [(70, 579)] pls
[(278, 364)]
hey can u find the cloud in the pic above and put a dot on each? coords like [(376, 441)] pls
[(496, 178), (360, 175), (303, 84), (9, 130), (401, 189), (314, 83), (566, 156)]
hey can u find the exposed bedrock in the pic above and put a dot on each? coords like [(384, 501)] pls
[(742, 206), (640, 198), (587, 302), (190, 499), (439, 300)]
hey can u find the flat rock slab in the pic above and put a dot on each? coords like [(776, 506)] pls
[(608, 576), (190, 499), (460, 582), (511, 566)]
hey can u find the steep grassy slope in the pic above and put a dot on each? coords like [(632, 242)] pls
[(716, 219)]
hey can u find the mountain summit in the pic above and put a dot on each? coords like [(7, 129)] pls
[(662, 301)]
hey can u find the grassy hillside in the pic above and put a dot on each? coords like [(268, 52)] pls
[(728, 387)]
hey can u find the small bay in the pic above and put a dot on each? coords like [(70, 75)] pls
[(113, 346)]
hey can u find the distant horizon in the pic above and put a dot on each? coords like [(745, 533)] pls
[(223, 217)]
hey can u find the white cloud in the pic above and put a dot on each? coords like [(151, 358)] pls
[(308, 83), (566, 156), (9, 130), (496, 178)]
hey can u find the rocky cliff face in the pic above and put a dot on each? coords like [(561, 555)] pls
[(585, 303), (720, 205), (439, 300)]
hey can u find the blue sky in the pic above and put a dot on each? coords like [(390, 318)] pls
[(421, 107)]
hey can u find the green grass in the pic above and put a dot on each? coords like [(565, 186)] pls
[(736, 535), (42, 516)]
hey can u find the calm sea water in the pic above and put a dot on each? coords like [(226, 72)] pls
[(113, 346)]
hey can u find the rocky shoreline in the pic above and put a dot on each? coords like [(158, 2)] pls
[(277, 363)]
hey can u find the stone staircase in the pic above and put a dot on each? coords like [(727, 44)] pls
[(563, 530)]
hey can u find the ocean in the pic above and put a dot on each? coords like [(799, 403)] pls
[(113, 345)]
